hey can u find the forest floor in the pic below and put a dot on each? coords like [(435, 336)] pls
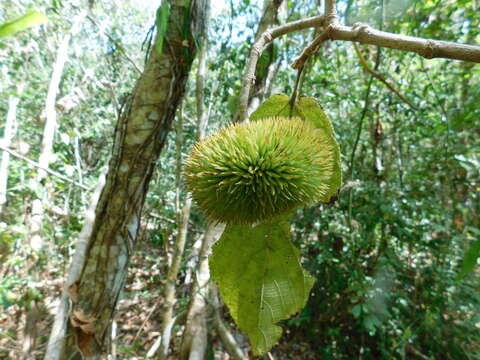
[(138, 316)]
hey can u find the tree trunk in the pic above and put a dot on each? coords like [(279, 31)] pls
[(140, 135), (270, 18), (9, 132), (38, 204), (194, 343), (56, 342), (183, 216)]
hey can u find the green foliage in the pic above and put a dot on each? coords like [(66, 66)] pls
[(276, 105), (7, 295), (254, 171), (161, 22), (471, 256), (386, 271), (268, 57), (258, 272), (31, 18)]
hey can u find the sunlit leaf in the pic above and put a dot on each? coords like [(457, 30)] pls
[(31, 18), (276, 105), (470, 259), (163, 14)]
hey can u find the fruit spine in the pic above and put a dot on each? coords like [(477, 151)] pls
[(251, 172)]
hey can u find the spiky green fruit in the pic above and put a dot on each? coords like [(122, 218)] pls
[(253, 171)]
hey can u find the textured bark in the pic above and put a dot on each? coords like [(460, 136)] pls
[(194, 341), (270, 18), (226, 336), (183, 215), (140, 135), (56, 342)]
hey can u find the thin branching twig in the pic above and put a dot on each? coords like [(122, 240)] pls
[(380, 77)]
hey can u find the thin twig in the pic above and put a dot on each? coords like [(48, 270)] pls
[(257, 49), (117, 44), (34, 163), (380, 77), (143, 324), (312, 48), (428, 48)]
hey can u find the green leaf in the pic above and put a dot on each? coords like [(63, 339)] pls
[(161, 21), (470, 259), (265, 60), (356, 311), (276, 105), (313, 112), (308, 109), (258, 272), (31, 18)]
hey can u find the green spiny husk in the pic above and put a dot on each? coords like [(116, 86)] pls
[(251, 172)]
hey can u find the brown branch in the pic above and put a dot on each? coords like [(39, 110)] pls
[(116, 43), (331, 12), (312, 48), (428, 48), (379, 76), (257, 49), (34, 163)]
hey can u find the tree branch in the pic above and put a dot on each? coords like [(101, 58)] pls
[(257, 49), (312, 48), (428, 48), (34, 163), (331, 12), (379, 76), (362, 33)]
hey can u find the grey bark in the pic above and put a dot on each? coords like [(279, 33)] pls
[(183, 215), (194, 342), (56, 342), (9, 132), (270, 18)]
